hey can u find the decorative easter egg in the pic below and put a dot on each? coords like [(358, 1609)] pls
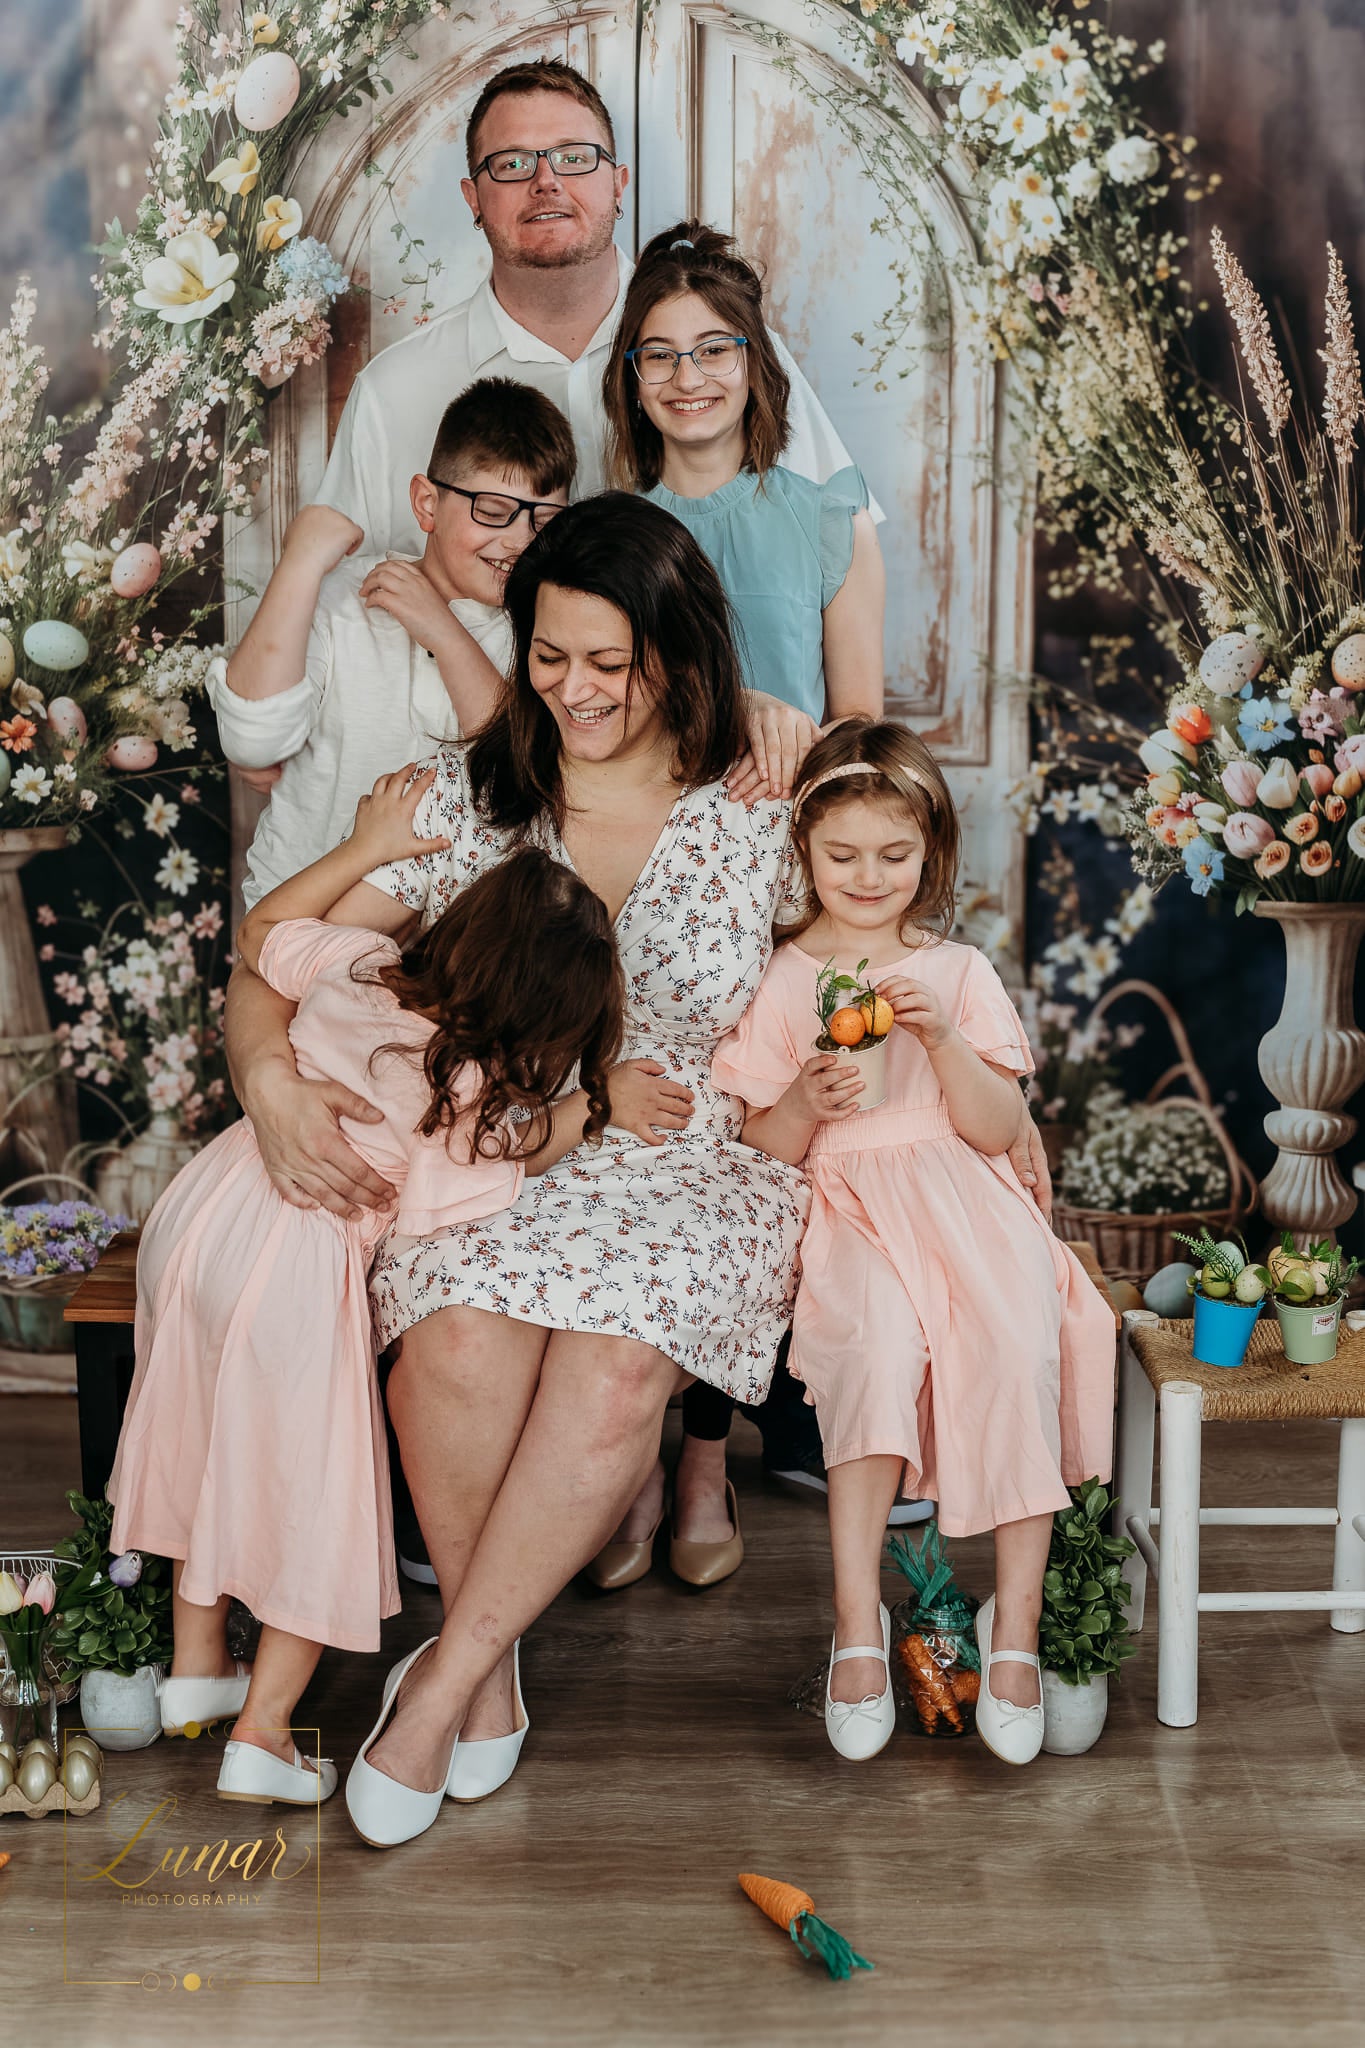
[(6, 662), (1229, 662), (847, 1027), (1124, 1296), (266, 91), (40, 1742), (135, 570), (36, 1774), (1233, 1253), (10, 1755), (79, 1774), (1348, 662), (67, 720), (51, 643), (1167, 1292), (6, 1775), (88, 1745), (134, 750)]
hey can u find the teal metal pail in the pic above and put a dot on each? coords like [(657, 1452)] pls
[(1222, 1329)]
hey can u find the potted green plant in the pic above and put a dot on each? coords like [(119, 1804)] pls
[(117, 1635), (1228, 1291), (1309, 1292), (855, 1019), (1083, 1635)]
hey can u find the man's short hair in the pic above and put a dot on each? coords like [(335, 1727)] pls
[(542, 74), (499, 424)]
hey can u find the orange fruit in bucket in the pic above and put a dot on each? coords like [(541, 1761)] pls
[(847, 1027), (878, 1016)]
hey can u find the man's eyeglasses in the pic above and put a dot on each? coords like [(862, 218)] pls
[(715, 358), (566, 160), (490, 508)]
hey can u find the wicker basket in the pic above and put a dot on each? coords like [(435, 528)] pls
[(1133, 1247), (31, 1310)]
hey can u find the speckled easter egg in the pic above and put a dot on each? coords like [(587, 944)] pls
[(67, 720), (135, 570), (1166, 1293), (51, 643), (1229, 662), (6, 662), (134, 750), (266, 91), (1348, 662)]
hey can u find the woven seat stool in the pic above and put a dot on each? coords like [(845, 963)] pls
[(1156, 1363)]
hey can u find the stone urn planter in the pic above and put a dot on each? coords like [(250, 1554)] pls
[(1073, 1715), (122, 1712), (1312, 1060)]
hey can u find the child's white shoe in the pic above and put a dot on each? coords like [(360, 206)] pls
[(251, 1773), (858, 1729), (201, 1700), (1015, 1734)]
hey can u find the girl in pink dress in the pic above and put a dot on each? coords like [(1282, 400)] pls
[(253, 1449), (952, 1346)]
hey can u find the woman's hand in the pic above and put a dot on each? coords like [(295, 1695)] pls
[(917, 1010), (825, 1090), (383, 829), (312, 1166), (642, 1096), (780, 737)]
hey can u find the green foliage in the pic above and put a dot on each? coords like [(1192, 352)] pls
[(1084, 1630), (106, 1628)]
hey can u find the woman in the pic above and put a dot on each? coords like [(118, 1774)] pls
[(539, 1351)]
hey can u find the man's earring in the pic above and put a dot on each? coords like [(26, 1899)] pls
[(620, 211), (478, 221)]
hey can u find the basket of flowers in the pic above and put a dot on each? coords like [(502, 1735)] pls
[(1145, 1171), (46, 1249)]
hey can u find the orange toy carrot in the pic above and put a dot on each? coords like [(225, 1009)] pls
[(788, 1907)]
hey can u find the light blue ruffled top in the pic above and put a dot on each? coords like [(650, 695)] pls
[(781, 547)]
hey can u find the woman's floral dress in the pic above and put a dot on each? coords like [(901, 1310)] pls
[(691, 1245)]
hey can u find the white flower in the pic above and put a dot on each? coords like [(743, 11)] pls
[(332, 66), (1090, 803), (1082, 181), (161, 817), (190, 281), (1355, 838), (63, 772), (13, 555), (1131, 159), (178, 872), (216, 96), (179, 101), (31, 784), (281, 220), (1021, 129), (84, 564), (238, 174), (982, 93)]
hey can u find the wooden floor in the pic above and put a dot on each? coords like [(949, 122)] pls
[(1195, 1886)]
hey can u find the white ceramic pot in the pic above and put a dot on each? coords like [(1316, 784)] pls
[(119, 1712), (1073, 1715)]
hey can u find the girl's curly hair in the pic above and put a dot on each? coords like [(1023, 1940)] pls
[(521, 978)]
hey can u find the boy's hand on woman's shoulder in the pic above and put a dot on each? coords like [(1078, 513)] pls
[(401, 590), (323, 536)]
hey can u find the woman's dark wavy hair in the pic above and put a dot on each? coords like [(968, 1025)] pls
[(644, 561), (523, 980)]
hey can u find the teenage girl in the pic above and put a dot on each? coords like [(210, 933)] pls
[(948, 1340), (253, 1451), (696, 402)]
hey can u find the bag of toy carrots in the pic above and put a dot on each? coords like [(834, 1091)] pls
[(933, 1635)]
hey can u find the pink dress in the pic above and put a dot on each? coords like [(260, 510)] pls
[(253, 1446), (938, 1319)]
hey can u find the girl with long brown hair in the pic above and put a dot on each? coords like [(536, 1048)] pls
[(253, 1451)]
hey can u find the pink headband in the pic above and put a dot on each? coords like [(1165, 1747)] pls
[(853, 768)]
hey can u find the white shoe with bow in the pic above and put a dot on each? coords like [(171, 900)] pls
[(1015, 1734), (858, 1729)]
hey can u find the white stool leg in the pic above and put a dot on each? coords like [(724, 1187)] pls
[(1177, 1671), (1348, 1562), (1137, 1436)]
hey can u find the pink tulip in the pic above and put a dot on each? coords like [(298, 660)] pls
[(1351, 754), (1319, 777), (1245, 835), (42, 1591), (1240, 779)]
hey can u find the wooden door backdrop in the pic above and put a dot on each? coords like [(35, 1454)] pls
[(713, 126)]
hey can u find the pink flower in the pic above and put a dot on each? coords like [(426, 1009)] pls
[(1240, 779), (1245, 835), (1301, 829), (1334, 809), (42, 1591), (1272, 860), (45, 914), (1319, 778), (1351, 754), (1316, 859), (50, 952)]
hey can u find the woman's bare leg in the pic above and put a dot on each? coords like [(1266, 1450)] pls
[(459, 1395), (1021, 1550), (200, 1634), (284, 1664), (861, 1493), (589, 1440)]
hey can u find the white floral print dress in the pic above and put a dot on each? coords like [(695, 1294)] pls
[(690, 1246)]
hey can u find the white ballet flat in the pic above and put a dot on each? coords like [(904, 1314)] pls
[(481, 1768), (253, 1774), (383, 1811), (201, 1700), (858, 1729), (1014, 1734)]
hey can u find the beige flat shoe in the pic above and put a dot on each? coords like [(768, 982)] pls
[(706, 1564), (618, 1565)]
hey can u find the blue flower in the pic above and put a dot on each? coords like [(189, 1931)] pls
[(311, 268), (1263, 724), (1203, 865)]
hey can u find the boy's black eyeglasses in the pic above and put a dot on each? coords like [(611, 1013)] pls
[(566, 160), (491, 508)]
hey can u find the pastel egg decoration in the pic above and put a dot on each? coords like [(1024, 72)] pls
[(10, 1755), (6, 661), (134, 750), (1348, 662), (1230, 662), (37, 1773), (266, 91), (135, 570), (79, 1774), (6, 1774), (1167, 1292), (51, 643), (67, 720), (86, 1743)]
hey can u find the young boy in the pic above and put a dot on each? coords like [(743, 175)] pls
[(395, 654)]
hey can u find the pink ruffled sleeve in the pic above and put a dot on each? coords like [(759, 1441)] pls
[(295, 953), (445, 1187), (758, 1060), (989, 1021)]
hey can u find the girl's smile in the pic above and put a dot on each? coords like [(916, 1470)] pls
[(866, 859)]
